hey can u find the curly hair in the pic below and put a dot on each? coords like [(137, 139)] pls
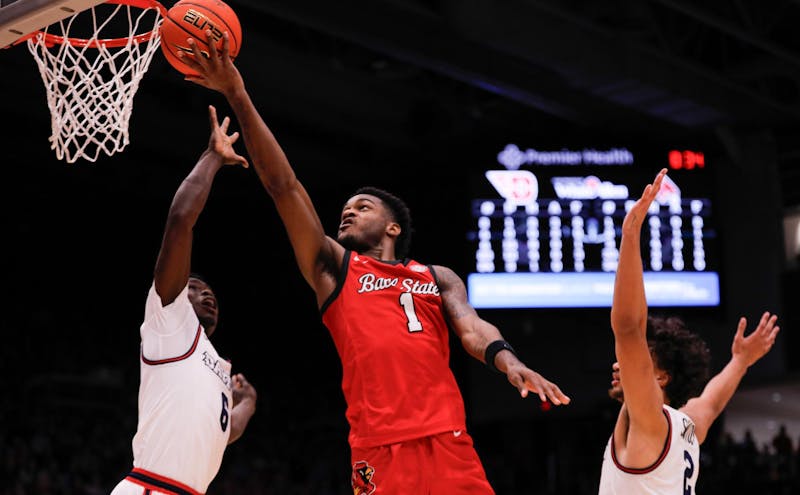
[(400, 214), (682, 354)]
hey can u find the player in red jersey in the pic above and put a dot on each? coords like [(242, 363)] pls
[(389, 318)]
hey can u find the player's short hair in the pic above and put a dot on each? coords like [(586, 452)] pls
[(682, 354), (201, 277), (400, 214)]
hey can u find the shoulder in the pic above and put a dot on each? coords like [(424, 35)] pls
[(154, 302), (444, 276), (701, 415)]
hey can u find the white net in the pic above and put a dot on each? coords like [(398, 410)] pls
[(91, 65)]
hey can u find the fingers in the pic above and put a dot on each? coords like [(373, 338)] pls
[(659, 179), (212, 45), (242, 161), (191, 59), (740, 328), (774, 334), (224, 125), (552, 393), (226, 43), (760, 341), (239, 381), (769, 327), (197, 60), (764, 319), (646, 192), (545, 389), (766, 324), (212, 116), (651, 190), (656, 185), (556, 396)]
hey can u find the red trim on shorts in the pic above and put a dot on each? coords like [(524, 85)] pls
[(653, 466), (158, 483), (178, 358)]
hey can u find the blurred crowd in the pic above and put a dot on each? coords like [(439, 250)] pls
[(66, 440)]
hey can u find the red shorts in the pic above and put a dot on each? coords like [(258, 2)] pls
[(438, 464)]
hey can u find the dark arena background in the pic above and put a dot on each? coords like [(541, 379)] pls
[(420, 97)]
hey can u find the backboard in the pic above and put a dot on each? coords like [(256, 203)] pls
[(21, 17)]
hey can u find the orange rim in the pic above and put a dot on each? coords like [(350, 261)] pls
[(52, 39)]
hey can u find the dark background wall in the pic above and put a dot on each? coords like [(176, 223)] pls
[(413, 106)]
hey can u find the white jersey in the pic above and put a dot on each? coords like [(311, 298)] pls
[(184, 398), (675, 471)]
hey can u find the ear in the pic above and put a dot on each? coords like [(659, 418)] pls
[(663, 378), (393, 229)]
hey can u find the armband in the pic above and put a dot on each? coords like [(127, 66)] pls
[(492, 350)]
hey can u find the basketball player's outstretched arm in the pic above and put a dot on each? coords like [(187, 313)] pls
[(745, 351), (476, 334), (244, 405), (644, 399), (314, 251), (173, 264)]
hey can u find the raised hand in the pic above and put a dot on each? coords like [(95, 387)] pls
[(751, 348), (216, 71), (636, 215), (221, 142)]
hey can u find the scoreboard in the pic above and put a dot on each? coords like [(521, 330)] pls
[(546, 228)]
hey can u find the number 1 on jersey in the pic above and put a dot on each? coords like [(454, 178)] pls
[(407, 302)]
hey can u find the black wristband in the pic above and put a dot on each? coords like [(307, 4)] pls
[(492, 350)]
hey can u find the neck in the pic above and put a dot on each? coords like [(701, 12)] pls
[(380, 253)]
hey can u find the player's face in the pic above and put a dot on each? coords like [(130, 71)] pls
[(363, 224), (615, 392), (204, 303)]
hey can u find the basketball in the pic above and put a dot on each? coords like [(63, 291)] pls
[(192, 18)]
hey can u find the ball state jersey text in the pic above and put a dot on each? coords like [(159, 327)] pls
[(675, 471), (184, 396), (387, 323)]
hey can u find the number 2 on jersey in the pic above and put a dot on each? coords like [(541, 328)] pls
[(687, 473), (407, 302)]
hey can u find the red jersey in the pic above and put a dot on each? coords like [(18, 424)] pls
[(387, 323)]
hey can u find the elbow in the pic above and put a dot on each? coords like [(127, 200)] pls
[(626, 324), (280, 185), (180, 219), (235, 435)]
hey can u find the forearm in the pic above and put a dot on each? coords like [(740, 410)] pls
[(721, 388), (240, 417), (629, 306), (192, 194), (477, 342), (268, 158), (476, 336)]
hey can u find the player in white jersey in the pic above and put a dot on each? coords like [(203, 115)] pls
[(190, 407), (666, 411)]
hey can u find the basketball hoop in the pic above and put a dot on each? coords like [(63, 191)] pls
[(91, 64)]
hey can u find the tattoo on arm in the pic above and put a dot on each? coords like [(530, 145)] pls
[(454, 293)]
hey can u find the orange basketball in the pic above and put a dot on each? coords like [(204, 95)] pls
[(192, 18)]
